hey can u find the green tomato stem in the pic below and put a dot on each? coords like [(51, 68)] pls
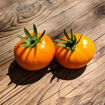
[(31, 41)]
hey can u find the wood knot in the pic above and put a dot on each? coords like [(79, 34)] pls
[(100, 11), (27, 10)]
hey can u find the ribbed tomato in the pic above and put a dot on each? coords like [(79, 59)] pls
[(74, 51), (35, 51)]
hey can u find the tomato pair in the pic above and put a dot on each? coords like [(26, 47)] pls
[(36, 50)]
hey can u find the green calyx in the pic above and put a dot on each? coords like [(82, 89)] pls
[(31, 41), (70, 43)]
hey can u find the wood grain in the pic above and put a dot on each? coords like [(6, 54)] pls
[(53, 85)]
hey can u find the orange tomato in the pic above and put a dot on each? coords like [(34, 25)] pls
[(82, 53), (35, 57)]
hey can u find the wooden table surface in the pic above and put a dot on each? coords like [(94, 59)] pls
[(53, 85)]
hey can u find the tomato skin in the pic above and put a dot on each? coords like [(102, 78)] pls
[(37, 57), (78, 58)]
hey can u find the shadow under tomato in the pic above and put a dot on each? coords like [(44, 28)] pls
[(60, 72), (19, 76)]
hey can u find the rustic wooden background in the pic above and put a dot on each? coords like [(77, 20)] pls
[(53, 85)]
